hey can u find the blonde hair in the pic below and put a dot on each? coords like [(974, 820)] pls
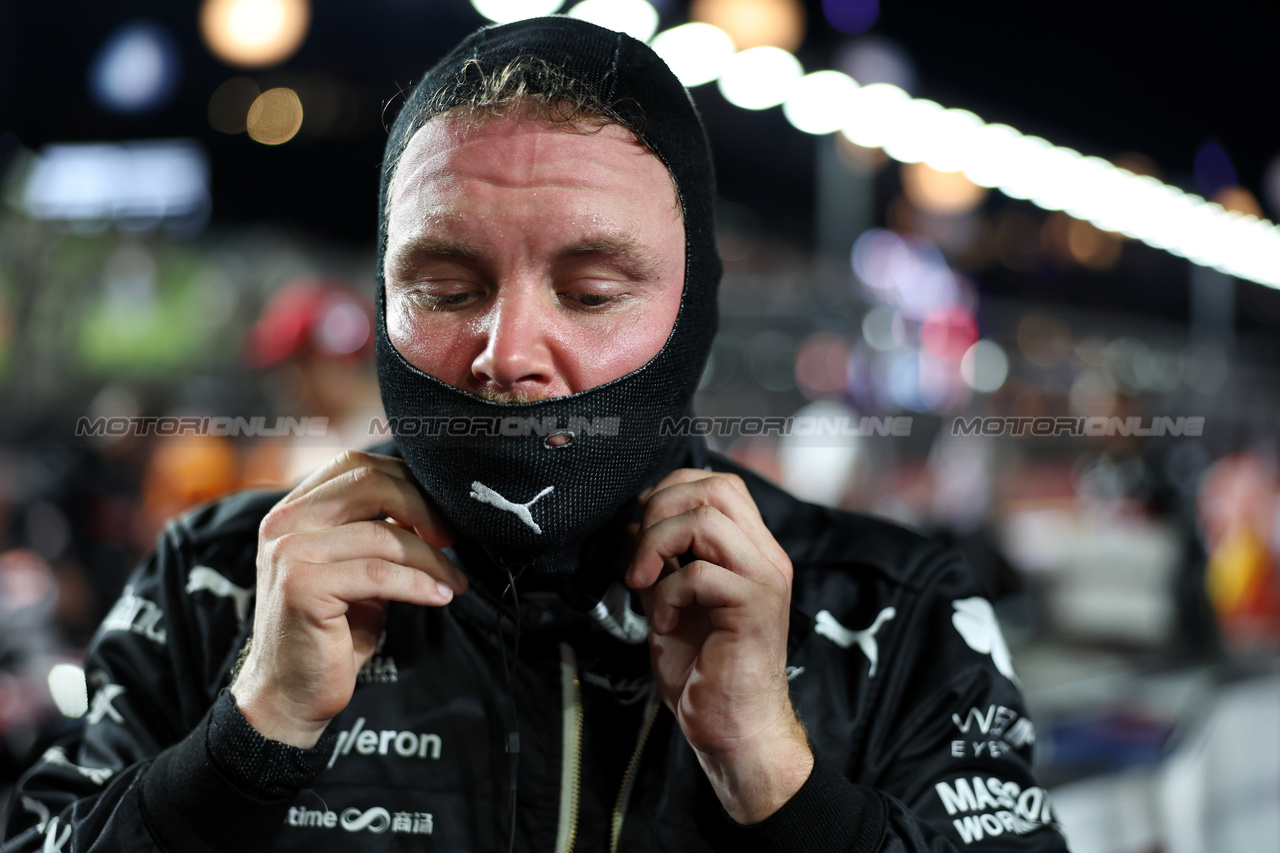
[(527, 83)]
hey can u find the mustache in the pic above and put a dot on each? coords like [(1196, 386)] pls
[(520, 395)]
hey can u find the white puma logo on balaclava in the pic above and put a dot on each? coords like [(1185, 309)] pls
[(486, 495)]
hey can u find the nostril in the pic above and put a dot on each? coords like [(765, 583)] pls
[(560, 439)]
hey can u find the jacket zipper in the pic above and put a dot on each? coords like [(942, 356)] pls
[(571, 760), (629, 777)]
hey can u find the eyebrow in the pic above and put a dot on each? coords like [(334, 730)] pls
[(400, 263), (622, 251)]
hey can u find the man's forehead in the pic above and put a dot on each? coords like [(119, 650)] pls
[(510, 146)]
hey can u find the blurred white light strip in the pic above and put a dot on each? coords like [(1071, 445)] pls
[(636, 18), (510, 11), (914, 130), (759, 78), (695, 53), (136, 184)]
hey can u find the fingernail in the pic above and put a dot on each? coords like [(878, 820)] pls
[(445, 590)]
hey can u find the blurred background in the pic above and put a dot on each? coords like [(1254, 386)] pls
[(1011, 265)]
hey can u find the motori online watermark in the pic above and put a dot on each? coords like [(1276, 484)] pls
[(221, 426), (1096, 426), (803, 426), (501, 425)]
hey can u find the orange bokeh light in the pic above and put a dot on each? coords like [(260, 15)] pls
[(254, 33), (754, 23)]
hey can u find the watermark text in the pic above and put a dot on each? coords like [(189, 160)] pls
[(1096, 426), (190, 425)]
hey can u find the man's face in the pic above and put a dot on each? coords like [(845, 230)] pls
[(526, 262)]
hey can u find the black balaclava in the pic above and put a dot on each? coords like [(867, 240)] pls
[(530, 505)]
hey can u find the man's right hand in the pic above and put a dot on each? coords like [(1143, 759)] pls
[(327, 567)]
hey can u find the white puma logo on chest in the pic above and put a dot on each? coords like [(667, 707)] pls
[(486, 495), (827, 626), (210, 580)]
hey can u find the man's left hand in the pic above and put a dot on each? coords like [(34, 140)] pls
[(718, 636)]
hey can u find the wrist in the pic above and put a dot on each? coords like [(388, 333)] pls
[(755, 778), (272, 717)]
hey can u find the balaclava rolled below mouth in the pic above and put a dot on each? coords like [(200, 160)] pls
[(487, 465)]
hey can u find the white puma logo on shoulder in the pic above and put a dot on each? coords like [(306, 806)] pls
[(486, 495), (210, 580), (827, 626)]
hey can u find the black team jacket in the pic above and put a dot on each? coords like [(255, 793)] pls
[(896, 667)]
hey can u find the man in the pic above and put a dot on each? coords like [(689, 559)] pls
[(441, 653)]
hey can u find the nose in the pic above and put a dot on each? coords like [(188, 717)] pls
[(516, 356)]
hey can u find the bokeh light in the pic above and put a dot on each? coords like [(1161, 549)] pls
[(275, 116), (822, 365), (851, 16), (229, 105), (882, 328), (948, 332), (940, 192), (876, 59), (754, 23), (820, 102), (254, 33), (820, 468), (136, 185), (873, 114), (988, 158), (759, 78), (636, 18), (696, 53), (1213, 169), (953, 135), (344, 327), (911, 275), (507, 11), (1093, 248), (137, 69), (1238, 199), (909, 137), (984, 366), (878, 118)]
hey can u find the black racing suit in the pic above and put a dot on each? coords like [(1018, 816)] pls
[(895, 663)]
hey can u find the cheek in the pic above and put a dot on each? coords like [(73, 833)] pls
[(434, 348), (627, 345)]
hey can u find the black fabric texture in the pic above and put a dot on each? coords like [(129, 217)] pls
[(188, 795), (597, 472), (828, 813), (264, 769)]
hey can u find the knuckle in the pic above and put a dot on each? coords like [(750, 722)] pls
[(359, 474), (273, 521), (387, 541), (719, 487), (705, 513), (284, 545), (697, 571), (290, 577), (377, 571)]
